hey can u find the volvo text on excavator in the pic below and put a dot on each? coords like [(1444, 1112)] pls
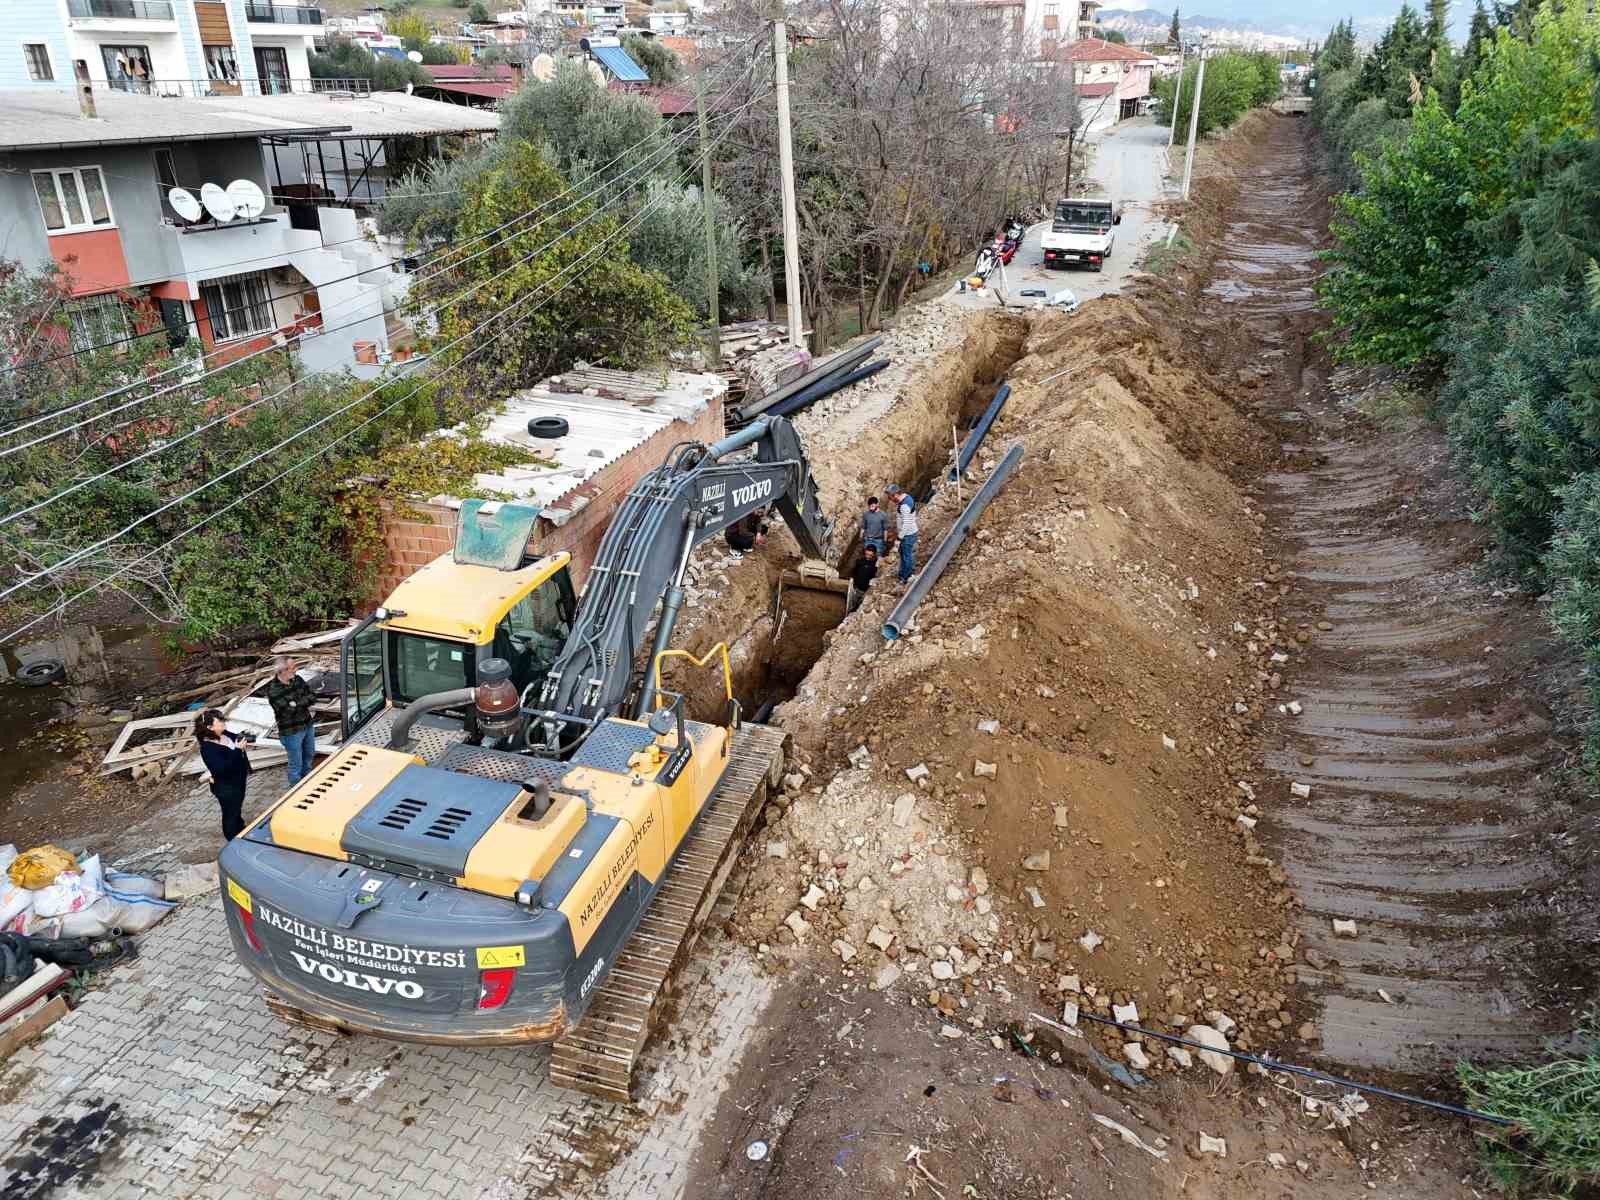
[(478, 861)]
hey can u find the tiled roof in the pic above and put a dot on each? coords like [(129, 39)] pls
[(1100, 50)]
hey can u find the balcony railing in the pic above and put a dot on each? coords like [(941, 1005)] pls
[(201, 88), (282, 14), (126, 10)]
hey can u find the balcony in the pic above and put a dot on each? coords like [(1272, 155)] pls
[(121, 10), (199, 89), (281, 14)]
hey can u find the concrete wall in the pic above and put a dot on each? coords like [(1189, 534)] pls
[(413, 542), (34, 21)]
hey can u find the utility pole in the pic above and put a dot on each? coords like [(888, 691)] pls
[(713, 277), (1194, 120), (1177, 94), (791, 219)]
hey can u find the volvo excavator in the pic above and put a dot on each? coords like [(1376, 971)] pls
[(522, 832)]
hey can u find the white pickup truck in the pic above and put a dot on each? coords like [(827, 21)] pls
[(1083, 231)]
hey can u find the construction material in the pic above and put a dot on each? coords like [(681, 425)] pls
[(929, 575), (979, 431), (826, 387), (845, 359), (31, 1025)]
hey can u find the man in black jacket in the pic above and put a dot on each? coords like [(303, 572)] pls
[(291, 698)]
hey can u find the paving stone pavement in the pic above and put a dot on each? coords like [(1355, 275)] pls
[(172, 1080)]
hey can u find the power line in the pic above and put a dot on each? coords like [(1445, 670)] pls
[(124, 569), (678, 140), (453, 264), (79, 485)]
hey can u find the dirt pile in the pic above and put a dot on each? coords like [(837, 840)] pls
[(1037, 793)]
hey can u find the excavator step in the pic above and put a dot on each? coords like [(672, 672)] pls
[(599, 1054)]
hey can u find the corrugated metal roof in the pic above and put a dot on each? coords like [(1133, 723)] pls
[(601, 428), (47, 118), (617, 60), (382, 114)]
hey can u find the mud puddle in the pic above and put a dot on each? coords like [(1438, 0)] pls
[(1428, 755)]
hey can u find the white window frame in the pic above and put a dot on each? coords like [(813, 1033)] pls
[(89, 322), (49, 63), (231, 315), (75, 175)]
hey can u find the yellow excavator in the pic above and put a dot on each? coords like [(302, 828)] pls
[(521, 833)]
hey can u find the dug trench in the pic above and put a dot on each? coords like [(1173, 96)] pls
[(1070, 785)]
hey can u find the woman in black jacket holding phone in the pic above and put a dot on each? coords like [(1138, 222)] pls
[(224, 756)]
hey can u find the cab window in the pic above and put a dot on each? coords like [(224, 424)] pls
[(424, 665), (531, 634)]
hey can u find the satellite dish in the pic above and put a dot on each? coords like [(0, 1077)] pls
[(543, 68), (184, 204), (596, 74), (218, 203), (247, 198), (414, 55)]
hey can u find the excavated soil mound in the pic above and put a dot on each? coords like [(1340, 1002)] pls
[(1113, 614)]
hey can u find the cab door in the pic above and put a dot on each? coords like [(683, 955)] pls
[(361, 675)]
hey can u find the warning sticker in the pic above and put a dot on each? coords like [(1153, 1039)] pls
[(501, 956), (240, 896)]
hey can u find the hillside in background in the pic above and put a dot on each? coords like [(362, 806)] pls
[(1270, 23)]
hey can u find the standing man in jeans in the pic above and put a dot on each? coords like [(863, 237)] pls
[(905, 529), (874, 527), (291, 698)]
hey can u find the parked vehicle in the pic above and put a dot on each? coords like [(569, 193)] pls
[(1083, 231)]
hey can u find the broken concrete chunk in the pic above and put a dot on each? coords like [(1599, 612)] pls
[(1047, 693), (1250, 792), (1207, 1036), (813, 897), (860, 756), (1043, 952), (920, 771), (976, 632), (798, 925), (1090, 940), (794, 781), (989, 726), (1221, 1022), (880, 937), (1296, 707), (1034, 898), (983, 770), (1068, 983), (777, 850), (1128, 1013), (888, 975), (1060, 821), (866, 884), (941, 970), (1069, 1013), (843, 949), (949, 1031), (1302, 790), (1246, 822), (1135, 1055), (1343, 928), (1277, 1161), (1180, 1056), (1039, 860), (1167, 743), (904, 804), (1213, 1145), (980, 881)]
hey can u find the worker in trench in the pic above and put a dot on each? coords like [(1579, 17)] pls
[(874, 527), (747, 533), (861, 576), (904, 530)]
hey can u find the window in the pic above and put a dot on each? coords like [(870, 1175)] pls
[(221, 65), (128, 67), (238, 306), (97, 321), (38, 56), (72, 199), (166, 180), (424, 665), (531, 635)]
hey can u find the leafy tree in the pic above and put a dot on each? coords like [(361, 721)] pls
[(1234, 83), (1174, 36), (441, 54), (478, 13), (659, 62), (412, 30), (557, 292), (1115, 36), (343, 59), (670, 239), (1338, 53)]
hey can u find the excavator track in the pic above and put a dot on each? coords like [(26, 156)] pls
[(599, 1054)]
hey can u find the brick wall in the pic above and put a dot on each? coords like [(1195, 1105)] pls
[(429, 531)]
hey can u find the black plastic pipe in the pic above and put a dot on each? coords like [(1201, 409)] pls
[(843, 360), (979, 431), (825, 387), (929, 575)]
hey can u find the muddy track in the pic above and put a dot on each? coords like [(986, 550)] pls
[(1427, 750)]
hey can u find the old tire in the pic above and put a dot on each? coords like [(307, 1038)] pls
[(548, 427), (38, 674)]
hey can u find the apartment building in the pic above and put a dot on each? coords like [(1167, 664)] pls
[(162, 47), (294, 262)]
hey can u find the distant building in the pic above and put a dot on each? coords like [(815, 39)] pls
[(1110, 79)]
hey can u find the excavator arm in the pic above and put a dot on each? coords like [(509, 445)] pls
[(698, 493)]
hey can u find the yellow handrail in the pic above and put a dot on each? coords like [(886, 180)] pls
[(720, 648)]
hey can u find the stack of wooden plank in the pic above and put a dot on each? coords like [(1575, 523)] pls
[(31, 1007)]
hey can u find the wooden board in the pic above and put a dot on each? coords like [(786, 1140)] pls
[(213, 19), (32, 1026)]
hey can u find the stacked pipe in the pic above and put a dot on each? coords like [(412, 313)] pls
[(803, 400), (839, 366)]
